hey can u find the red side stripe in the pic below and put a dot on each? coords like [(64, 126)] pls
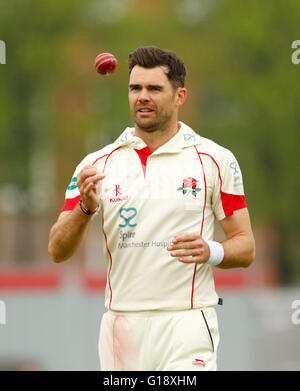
[(219, 171), (108, 157), (99, 158), (110, 258), (106, 244), (205, 197), (202, 224)]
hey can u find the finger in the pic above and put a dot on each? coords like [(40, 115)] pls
[(184, 245), (87, 172), (196, 259), (92, 179), (187, 259), (185, 253), (187, 236), (96, 178), (90, 187)]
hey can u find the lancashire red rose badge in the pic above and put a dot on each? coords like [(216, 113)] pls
[(189, 186)]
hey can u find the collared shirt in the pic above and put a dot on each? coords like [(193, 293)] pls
[(148, 198)]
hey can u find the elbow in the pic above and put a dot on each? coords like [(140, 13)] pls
[(250, 255), (54, 255)]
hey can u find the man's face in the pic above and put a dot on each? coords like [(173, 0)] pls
[(152, 99)]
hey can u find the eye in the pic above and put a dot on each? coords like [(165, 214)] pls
[(134, 88), (155, 88)]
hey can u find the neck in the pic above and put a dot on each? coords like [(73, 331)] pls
[(158, 137)]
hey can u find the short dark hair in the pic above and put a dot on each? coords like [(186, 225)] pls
[(152, 56)]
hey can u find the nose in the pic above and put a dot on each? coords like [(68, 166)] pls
[(143, 95)]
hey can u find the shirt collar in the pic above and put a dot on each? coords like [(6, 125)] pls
[(185, 137)]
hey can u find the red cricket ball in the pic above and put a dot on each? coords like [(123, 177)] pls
[(105, 63)]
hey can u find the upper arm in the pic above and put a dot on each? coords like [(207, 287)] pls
[(237, 224), (239, 246)]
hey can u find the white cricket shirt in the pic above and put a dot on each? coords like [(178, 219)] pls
[(146, 199)]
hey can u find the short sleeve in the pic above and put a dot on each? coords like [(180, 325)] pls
[(228, 192), (72, 195)]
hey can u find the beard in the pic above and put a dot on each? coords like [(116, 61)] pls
[(152, 125)]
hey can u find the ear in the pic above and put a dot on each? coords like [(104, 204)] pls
[(180, 96)]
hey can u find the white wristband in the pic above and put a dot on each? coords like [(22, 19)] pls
[(216, 253)]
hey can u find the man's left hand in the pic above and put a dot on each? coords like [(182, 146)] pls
[(189, 248)]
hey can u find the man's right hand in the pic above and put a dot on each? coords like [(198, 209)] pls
[(87, 181), (69, 230)]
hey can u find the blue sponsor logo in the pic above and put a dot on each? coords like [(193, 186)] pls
[(127, 214), (234, 166)]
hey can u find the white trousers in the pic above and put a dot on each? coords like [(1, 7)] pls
[(159, 340)]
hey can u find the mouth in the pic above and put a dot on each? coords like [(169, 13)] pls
[(145, 110)]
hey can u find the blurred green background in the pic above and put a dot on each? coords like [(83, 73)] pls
[(243, 92)]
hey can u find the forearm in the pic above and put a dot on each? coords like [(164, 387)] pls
[(67, 234), (239, 251)]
